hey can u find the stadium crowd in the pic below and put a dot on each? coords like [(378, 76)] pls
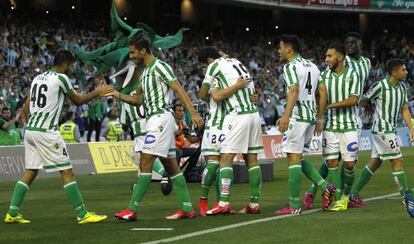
[(26, 49)]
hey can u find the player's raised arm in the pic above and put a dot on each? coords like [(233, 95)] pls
[(137, 99), (82, 99), (220, 94)]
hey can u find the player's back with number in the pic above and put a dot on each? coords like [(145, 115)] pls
[(47, 94), (305, 74), (227, 71)]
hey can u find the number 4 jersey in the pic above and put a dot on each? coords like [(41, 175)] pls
[(303, 73), (47, 94)]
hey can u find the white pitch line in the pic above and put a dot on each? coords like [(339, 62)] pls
[(152, 229), (232, 226)]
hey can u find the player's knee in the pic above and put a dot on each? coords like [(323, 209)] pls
[(349, 165), (397, 164)]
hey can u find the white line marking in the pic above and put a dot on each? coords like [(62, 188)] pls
[(232, 226), (152, 229)]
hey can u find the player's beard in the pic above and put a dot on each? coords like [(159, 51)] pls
[(334, 66)]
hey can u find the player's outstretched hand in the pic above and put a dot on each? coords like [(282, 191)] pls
[(104, 90), (283, 123), (319, 127), (241, 82), (197, 120)]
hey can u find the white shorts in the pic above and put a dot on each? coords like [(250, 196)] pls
[(139, 143), (298, 137), (242, 134), (46, 150), (211, 141), (338, 143), (160, 139), (385, 146)]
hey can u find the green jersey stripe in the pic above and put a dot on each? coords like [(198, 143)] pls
[(44, 120)]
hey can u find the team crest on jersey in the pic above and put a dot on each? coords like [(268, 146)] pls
[(56, 145), (161, 127)]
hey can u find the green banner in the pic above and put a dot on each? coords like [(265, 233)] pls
[(393, 4)]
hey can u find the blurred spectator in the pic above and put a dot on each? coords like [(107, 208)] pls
[(184, 142), (9, 134), (69, 130), (113, 131)]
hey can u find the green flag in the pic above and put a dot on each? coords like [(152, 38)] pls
[(116, 52)]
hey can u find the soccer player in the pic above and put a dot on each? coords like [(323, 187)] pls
[(159, 141), (340, 137), (299, 119), (210, 144), (241, 126), (390, 98), (361, 65), (44, 146), (136, 115)]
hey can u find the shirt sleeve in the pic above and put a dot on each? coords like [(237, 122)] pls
[(291, 77), (165, 72), (65, 84), (374, 91), (355, 89), (405, 101), (210, 77)]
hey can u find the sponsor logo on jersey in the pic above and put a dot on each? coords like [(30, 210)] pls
[(352, 147), (149, 139)]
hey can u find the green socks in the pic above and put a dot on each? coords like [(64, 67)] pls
[(295, 180), (348, 180), (323, 171), (400, 180), (255, 180), (72, 192), (209, 176), (144, 180), (158, 167), (19, 193), (364, 178), (226, 179), (313, 175), (181, 191), (334, 178)]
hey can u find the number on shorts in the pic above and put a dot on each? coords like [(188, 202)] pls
[(323, 142), (64, 152), (221, 138), (393, 144), (213, 139)]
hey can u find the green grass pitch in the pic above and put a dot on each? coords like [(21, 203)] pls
[(53, 220)]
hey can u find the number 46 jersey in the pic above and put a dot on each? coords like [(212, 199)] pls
[(304, 74), (47, 94)]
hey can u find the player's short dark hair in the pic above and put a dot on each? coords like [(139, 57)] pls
[(208, 52), (354, 34), (339, 47), (293, 41), (140, 42), (394, 63), (63, 57)]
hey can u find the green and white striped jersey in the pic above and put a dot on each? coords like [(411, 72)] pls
[(341, 87), (303, 73), (223, 73), (216, 112), (155, 81), (47, 94), (136, 117), (362, 66), (389, 101)]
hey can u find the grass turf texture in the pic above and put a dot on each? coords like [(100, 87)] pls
[(53, 220)]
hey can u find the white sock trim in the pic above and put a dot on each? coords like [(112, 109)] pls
[(177, 175), (254, 167), (369, 170), (23, 184), (69, 184)]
